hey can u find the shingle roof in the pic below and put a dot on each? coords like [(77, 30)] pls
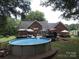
[(45, 25), (52, 25), (26, 24)]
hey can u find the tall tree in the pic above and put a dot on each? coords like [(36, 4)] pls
[(70, 8), (8, 7), (35, 15), (11, 26)]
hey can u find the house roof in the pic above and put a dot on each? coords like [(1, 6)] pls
[(26, 24), (45, 25), (52, 25)]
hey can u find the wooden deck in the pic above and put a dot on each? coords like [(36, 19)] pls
[(48, 55)]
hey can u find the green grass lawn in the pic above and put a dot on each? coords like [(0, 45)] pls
[(67, 49), (4, 40)]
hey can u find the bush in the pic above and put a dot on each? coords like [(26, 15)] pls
[(1, 36)]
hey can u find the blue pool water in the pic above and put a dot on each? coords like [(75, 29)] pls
[(29, 41)]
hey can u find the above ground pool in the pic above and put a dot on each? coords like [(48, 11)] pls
[(29, 46), (29, 41)]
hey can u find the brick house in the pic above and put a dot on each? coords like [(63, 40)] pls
[(40, 26)]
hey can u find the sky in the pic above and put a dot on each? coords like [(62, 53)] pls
[(50, 16)]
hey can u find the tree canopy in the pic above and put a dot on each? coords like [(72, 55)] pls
[(11, 26), (9, 7), (35, 15), (70, 8), (73, 27)]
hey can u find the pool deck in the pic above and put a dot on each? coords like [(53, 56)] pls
[(47, 55)]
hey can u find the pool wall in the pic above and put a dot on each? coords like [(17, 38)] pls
[(31, 50)]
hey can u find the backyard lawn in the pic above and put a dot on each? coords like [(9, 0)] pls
[(4, 40), (67, 49)]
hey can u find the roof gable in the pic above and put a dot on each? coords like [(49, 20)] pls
[(26, 24), (62, 25), (35, 24)]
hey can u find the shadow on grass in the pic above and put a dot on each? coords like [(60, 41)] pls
[(68, 49)]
